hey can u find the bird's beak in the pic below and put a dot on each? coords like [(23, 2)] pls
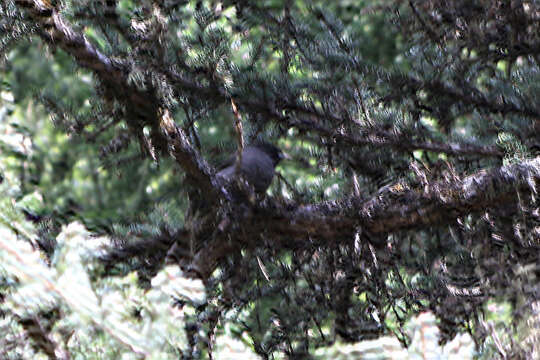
[(285, 156)]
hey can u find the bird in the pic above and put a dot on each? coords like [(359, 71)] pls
[(259, 161)]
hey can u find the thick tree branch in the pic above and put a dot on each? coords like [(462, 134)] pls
[(391, 211), (438, 204), (41, 337)]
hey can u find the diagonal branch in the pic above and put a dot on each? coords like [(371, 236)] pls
[(41, 338), (381, 138), (144, 106)]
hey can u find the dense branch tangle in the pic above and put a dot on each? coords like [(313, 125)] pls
[(326, 94), (145, 104), (144, 107)]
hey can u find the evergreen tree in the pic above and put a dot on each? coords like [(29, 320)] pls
[(413, 130)]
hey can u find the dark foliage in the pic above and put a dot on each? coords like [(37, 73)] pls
[(431, 144)]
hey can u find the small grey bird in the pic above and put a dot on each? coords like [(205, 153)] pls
[(258, 163)]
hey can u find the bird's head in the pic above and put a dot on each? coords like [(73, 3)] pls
[(273, 151)]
